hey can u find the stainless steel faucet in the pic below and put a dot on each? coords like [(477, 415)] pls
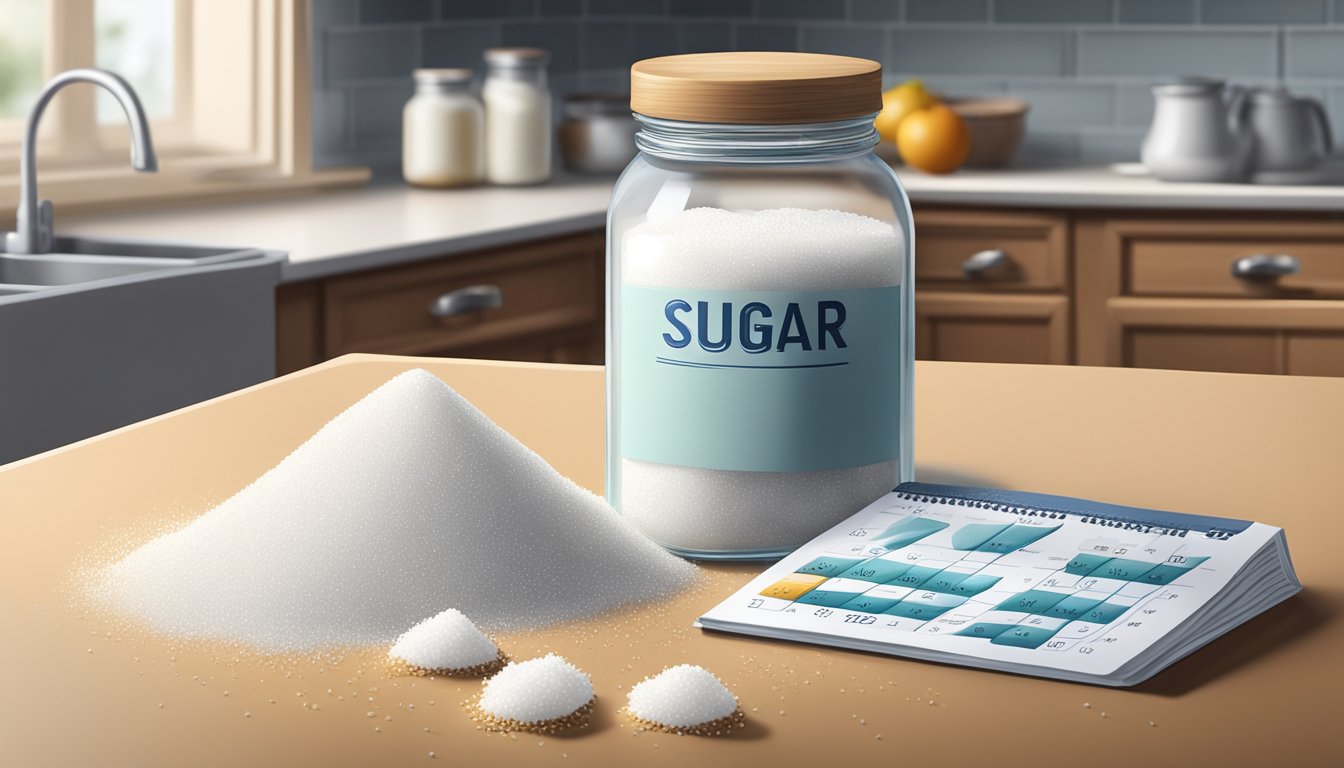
[(33, 226)]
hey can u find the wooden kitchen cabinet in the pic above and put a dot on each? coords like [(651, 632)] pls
[(1015, 310), (550, 309), (1152, 290), (1160, 292)]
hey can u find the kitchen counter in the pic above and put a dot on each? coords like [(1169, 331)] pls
[(84, 689), (345, 231)]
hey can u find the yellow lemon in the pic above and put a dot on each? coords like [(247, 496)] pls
[(899, 102)]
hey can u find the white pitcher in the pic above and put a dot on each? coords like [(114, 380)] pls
[(1197, 134), (1291, 133)]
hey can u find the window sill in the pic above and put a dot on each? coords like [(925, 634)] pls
[(121, 188)]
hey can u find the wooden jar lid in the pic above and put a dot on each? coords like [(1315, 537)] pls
[(756, 88)]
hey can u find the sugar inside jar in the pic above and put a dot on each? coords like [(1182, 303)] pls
[(760, 304)]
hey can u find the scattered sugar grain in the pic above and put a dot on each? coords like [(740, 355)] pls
[(681, 697), (408, 502), (535, 691)]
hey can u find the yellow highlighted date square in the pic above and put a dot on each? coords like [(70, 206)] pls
[(793, 586)]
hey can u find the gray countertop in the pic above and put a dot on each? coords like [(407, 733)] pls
[(338, 232)]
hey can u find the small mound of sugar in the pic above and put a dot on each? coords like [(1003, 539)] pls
[(448, 641), (683, 696), (408, 502), (533, 691)]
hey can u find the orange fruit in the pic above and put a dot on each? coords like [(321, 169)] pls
[(934, 139), (898, 102)]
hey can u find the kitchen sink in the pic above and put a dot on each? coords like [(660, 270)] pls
[(98, 333), (78, 260), (102, 333)]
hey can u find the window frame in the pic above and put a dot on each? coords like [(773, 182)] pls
[(241, 111)]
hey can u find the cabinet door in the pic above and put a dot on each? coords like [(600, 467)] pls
[(1239, 336), (544, 290), (991, 329), (1172, 293), (1031, 248), (298, 326)]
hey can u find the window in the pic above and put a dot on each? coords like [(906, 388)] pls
[(224, 84), (21, 23)]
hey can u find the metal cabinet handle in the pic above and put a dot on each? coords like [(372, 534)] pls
[(984, 261), (469, 299), (1265, 265)]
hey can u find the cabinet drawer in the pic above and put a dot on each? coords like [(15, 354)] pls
[(1034, 246), (1178, 259), (1298, 338), (545, 287), (970, 327)]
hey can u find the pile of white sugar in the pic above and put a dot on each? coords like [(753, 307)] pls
[(779, 249), (536, 691), (409, 502), (448, 642), (681, 698)]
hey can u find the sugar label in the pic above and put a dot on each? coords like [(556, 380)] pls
[(772, 381)]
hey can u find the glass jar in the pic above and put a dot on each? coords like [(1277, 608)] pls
[(760, 304), (517, 116), (442, 130)]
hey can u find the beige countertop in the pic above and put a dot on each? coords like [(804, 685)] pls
[(85, 689), (348, 230)]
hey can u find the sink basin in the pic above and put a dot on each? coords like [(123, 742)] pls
[(106, 332), (150, 251), (78, 260)]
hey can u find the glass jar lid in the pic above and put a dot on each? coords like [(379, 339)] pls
[(756, 87), (517, 58), (442, 76)]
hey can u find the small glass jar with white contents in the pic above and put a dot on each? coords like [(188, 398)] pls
[(760, 304), (443, 131), (517, 116)]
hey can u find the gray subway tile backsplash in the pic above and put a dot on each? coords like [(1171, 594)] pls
[(1134, 104), (683, 8), (1053, 11), (1264, 11), (705, 36), (627, 7), (1226, 52), (1086, 66), (622, 43), (801, 9), (967, 11), (864, 43), (452, 10), (765, 37), (561, 38), (558, 7), (1157, 11), (980, 50), (875, 10), (375, 112), (329, 121), (393, 11), (325, 14), (1110, 146), (1064, 104), (370, 53), (1315, 53), (458, 45)]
